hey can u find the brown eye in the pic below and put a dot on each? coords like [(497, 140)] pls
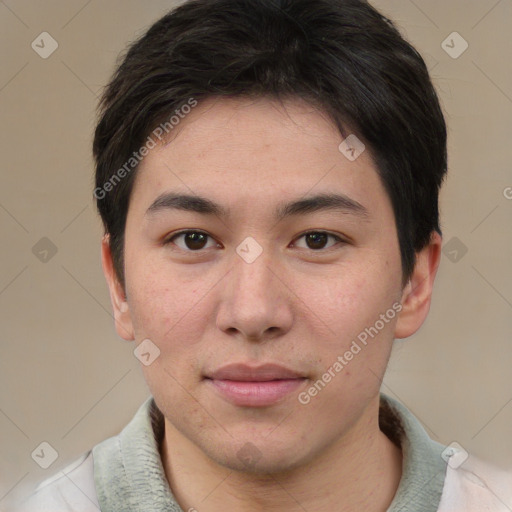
[(316, 240), (192, 240)]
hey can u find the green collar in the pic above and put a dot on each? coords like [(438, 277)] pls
[(129, 475)]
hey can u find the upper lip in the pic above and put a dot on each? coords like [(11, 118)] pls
[(251, 373)]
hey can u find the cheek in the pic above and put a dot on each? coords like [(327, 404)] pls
[(166, 307), (346, 302), (352, 316), (168, 311)]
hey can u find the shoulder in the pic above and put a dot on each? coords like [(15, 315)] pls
[(70, 490), (476, 486)]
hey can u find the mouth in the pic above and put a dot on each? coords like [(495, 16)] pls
[(254, 386)]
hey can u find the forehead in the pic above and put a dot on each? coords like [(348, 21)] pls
[(251, 151), (245, 124)]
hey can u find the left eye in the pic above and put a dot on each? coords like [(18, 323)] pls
[(195, 240), (318, 238)]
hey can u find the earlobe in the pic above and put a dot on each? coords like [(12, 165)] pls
[(122, 317), (417, 294)]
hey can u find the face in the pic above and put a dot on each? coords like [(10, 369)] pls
[(248, 308)]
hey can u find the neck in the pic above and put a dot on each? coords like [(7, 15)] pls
[(361, 471)]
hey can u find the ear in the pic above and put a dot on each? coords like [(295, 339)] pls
[(417, 294), (120, 306)]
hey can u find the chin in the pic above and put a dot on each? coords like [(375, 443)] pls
[(260, 456), (267, 465)]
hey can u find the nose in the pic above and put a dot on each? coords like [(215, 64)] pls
[(255, 301)]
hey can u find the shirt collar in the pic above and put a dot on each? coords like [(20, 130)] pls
[(423, 468), (129, 474)]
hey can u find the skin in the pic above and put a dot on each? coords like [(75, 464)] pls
[(300, 305)]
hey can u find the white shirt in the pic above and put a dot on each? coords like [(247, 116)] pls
[(125, 474)]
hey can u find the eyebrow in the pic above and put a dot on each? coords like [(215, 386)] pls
[(321, 202)]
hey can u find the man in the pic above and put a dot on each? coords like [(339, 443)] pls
[(267, 172)]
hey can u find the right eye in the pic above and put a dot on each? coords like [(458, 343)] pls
[(193, 241)]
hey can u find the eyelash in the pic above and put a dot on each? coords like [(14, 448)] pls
[(169, 240)]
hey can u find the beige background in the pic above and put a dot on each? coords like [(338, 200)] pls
[(65, 376)]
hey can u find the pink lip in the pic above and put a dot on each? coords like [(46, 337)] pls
[(253, 386)]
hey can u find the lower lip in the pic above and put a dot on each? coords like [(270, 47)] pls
[(256, 394)]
